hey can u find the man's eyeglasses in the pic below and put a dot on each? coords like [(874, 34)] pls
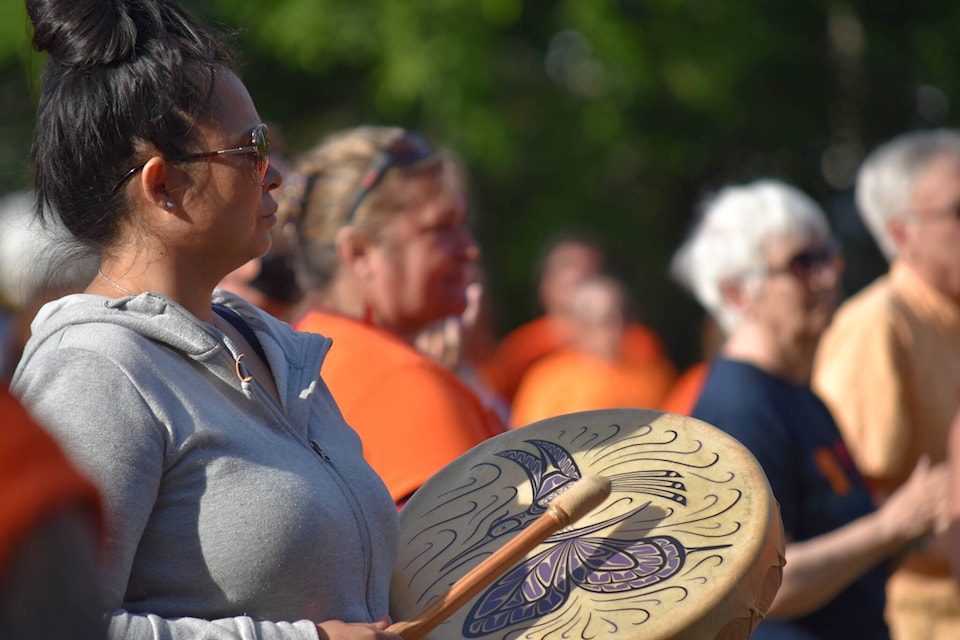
[(951, 211), (259, 147), (408, 150), (803, 263)]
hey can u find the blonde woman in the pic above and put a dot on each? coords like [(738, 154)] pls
[(378, 219)]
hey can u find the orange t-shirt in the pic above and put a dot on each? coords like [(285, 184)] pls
[(413, 415), (569, 381), (36, 478), (888, 367), (542, 336)]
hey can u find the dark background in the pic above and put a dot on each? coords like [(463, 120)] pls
[(617, 116)]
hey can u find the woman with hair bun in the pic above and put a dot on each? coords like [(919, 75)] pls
[(383, 251), (237, 501)]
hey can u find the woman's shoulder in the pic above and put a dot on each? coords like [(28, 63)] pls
[(353, 340), (83, 322), (746, 379), (737, 393), (112, 326)]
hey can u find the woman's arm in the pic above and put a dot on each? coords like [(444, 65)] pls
[(820, 568), (106, 417)]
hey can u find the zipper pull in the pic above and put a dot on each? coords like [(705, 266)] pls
[(242, 372), (320, 451)]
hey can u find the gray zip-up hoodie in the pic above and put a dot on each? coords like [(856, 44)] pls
[(227, 516)]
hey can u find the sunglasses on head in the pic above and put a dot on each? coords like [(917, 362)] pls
[(408, 150), (803, 263), (259, 146)]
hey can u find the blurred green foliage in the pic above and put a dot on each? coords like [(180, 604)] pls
[(617, 115)]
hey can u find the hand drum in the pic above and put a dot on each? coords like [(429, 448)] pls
[(688, 546)]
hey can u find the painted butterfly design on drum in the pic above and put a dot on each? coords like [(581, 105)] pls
[(543, 583)]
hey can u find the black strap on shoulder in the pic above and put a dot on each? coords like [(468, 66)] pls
[(240, 325)]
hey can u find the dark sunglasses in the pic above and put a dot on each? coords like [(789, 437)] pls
[(406, 151), (802, 264), (259, 146)]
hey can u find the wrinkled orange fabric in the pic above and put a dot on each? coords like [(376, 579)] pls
[(530, 342), (888, 367), (36, 478), (569, 381), (685, 391), (413, 415)]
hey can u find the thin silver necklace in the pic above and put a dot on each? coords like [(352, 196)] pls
[(122, 290)]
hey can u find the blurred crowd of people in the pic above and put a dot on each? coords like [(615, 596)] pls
[(189, 284)]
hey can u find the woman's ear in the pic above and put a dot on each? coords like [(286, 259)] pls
[(899, 231), (353, 250), (155, 184), (734, 294)]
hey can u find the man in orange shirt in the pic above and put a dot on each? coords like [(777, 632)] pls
[(889, 365)]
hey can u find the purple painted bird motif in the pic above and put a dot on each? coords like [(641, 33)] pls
[(543, 583), (551, 471)]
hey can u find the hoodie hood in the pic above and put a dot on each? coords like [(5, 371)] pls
[(294, 358)]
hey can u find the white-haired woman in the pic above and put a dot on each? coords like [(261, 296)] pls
[(764, 263)]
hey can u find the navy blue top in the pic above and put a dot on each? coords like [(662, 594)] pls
[(795, 439)]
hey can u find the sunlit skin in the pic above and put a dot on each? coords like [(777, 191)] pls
[(799, 308), (419, 268), (930, 238), (598, 317), (234, 214)]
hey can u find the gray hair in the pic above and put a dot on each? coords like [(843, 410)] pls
[(886, 179), (730, 241)]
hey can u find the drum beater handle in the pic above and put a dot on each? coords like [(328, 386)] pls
[(581, 498)]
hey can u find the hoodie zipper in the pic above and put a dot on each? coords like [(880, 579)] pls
[(359, 520), (320, 452), (345, 487), (355, 505)]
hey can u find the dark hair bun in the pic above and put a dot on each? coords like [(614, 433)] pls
[(141, 72), (83, 34)]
